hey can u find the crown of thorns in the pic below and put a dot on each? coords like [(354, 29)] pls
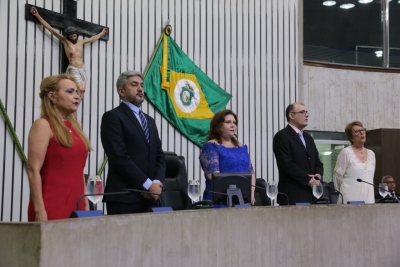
[(71, 30)]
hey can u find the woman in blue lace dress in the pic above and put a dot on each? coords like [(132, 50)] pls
[(222, 152)]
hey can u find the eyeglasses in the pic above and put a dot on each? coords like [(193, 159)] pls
[(390, 182), (303, 112), (360, 131)]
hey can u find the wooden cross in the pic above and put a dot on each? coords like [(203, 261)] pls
[(65, 20)]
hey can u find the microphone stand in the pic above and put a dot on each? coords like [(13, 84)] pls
[(161, 200), (390, 195), (219, 193), (317, 178), (99, 194), (91, 213)]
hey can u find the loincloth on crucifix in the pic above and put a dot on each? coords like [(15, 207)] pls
[(79, 74)]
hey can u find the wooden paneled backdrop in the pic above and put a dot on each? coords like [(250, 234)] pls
[(249, 47)]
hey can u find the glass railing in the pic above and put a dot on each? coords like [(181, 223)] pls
[(352, 32), (361, 55)]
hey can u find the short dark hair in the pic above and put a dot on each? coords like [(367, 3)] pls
[(290, 108), (348, 130), (216, 124)]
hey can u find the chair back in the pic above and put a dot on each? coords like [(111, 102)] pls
[(333, 195), (174, 192), (260, 194)]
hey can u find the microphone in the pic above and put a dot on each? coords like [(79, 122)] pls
[(279, 193), (99, 194), (90, 213), (390, 194), (214, 192), (323, 183), (147, 192)]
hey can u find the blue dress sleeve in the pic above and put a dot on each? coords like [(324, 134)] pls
[(209, 158), (250, 166)]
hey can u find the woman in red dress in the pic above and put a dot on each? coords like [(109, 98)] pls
[(57, 152)]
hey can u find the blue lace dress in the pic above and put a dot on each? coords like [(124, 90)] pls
[(215, 157)]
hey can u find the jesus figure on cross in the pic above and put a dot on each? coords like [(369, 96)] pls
[(73, 49)]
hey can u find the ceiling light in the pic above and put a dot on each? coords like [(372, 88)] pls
[(331, 3), (365, 1), (347, 6), (379, 53), (326, 153)]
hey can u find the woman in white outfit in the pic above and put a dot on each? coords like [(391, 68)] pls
[(355, 162)]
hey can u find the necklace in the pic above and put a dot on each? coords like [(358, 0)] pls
[(69, 129), (361, 150)]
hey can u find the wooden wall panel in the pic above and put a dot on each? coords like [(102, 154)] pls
[(250, 48)]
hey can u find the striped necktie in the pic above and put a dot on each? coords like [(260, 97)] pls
[(302, 138), (144, 126)]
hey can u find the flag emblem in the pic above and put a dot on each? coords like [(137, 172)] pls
[(184, 94)]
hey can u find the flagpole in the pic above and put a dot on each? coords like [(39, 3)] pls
[(154, 53)]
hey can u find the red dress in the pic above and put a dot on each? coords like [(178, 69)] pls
[(62, 178)]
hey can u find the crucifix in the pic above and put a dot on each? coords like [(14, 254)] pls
[(71, 61)]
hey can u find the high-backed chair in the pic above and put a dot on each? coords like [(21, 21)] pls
[(174, 192), (260, 194), (333, 195)]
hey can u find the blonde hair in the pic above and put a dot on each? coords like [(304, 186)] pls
[(49, 112)]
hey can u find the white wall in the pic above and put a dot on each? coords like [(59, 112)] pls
[(249, 47), (336, 97)]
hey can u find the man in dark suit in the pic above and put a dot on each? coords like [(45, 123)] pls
[(297, 157), (133, 147), (391, 183)]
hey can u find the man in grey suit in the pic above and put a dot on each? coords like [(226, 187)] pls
[(297, 157), (131, 142)]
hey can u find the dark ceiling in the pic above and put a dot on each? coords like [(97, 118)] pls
[(339, 28)]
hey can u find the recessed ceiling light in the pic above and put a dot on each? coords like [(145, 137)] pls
[(331, 3), (365, 1), (347, 6), (379, 53), (326, 153)]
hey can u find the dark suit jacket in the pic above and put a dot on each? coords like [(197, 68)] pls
[(295, 163), (131, 160)]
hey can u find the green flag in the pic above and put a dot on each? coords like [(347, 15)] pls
[(183, 93)]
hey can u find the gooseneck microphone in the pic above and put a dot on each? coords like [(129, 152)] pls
[(214, 192), (99, 194), (279, 193), (323, 183), (91, 213), (230, 203), (147, 192), (390, 194)]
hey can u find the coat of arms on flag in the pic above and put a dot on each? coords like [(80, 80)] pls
[(182, 92)]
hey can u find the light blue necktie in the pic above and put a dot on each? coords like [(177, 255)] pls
[(144, 126), (302, 138)]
